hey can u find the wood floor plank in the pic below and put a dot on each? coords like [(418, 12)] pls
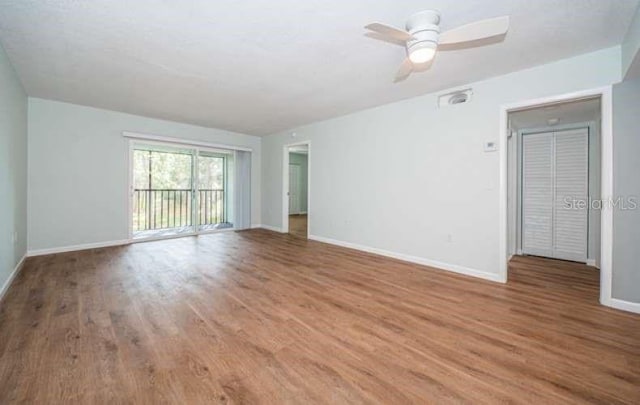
[(261, 317), (298, 225)]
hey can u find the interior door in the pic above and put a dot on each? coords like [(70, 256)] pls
[(555, 194), (570, 220), (294, 189), (537, 194)]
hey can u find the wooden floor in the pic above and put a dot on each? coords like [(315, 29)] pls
[(261, 317), (298, 225)]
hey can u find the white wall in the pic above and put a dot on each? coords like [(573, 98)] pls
[(411, 179), (78, 170), (626, 167), (595, 190), (13, 171), (631, 49)]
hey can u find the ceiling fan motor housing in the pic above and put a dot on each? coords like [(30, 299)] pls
[(425, 29)]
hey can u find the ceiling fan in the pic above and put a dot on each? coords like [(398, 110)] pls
[(422, 37)]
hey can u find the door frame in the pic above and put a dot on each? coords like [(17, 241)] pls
[(285, 186), (606, 182)]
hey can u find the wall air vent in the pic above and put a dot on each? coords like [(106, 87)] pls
[(456, 97)]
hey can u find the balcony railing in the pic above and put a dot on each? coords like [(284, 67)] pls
[(172, 208)]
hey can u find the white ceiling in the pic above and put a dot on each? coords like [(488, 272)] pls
[(259, 67), (567, 113)]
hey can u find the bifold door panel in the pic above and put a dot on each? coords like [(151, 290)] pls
[(537, 194), (571, 190), (555, 194)]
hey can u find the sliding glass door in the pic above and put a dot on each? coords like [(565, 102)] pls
[(180, 191), (214, 191), (162, 196)]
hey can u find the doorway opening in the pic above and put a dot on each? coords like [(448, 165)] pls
[(554, 183), (296, 198)]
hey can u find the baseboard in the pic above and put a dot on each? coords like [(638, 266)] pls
[(12, 276), (623, 305), (272, 228), (41, 252), (413, 259)]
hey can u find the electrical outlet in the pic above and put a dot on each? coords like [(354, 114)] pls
[(449, 238), (15, 237)]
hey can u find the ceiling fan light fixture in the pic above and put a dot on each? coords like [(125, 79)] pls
[(422, 53), (422, 35)]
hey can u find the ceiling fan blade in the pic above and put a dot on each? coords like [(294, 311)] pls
[(406, 68), (389, 31), (385, 38), (475, 31)]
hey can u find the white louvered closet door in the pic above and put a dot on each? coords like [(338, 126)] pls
[(537, 194), (554, 174), (571, 184)]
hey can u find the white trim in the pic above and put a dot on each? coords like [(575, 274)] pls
[(624, 305), (308, 212), (12, 276), (131, 143), (606, 191), (73, 248), (188, 142), (606, 184), (285, 187), (503, 182), (591, 262), (412, 259)]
